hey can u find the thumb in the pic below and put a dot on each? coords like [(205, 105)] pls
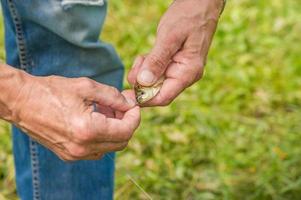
[(156, 62)]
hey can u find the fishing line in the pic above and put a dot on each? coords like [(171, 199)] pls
[(134, 182)]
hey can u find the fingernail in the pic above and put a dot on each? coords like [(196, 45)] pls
[(146, 77), (131, 102)]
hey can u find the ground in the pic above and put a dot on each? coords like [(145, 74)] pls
[(234, 135)]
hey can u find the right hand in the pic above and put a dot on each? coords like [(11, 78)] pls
[(59, 113)]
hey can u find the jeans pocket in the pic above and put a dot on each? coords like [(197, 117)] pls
[(79, 21)]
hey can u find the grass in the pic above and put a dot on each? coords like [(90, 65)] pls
[(234, 135)]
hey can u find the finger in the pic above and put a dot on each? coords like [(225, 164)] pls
[(171, 88), (95, 156), (187, 70), (129, 94), (92, 151), (132, 76), (108, 147), (63, 155), (104, 95), (156, 62), (179, 76), (115, 130)]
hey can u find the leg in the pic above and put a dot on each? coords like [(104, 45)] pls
[(46, 37)]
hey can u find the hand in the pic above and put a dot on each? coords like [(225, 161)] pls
[(183, 39), (60, 114)]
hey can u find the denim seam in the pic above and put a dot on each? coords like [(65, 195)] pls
[(24, 65), (23, 55), (35, 169)]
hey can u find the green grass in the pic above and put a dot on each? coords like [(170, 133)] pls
[(234, 135)]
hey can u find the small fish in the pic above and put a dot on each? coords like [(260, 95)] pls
[(146, 93)]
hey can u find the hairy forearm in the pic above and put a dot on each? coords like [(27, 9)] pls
[(11, 83)]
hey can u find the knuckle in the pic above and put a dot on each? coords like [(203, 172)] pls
[(128, 137), (78, 151), (167, 49), (172, 38), (199, 75), (192, 75), (81, 132), (122, 146), (157, 63), (198, 72), (186, 82), (114, 92), (86, 82), (83, 137)]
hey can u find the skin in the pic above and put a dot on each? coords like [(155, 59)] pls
[(183, 39), (58, 113)]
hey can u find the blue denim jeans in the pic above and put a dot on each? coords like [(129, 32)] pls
[(60, 37)]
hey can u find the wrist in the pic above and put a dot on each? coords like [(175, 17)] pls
[(217, 5), (12, 83)]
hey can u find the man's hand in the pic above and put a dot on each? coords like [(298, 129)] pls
[(78, 118), (183, 39)]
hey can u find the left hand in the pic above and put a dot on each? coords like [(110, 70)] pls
[(183, 39)]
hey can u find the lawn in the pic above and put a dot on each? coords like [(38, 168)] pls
[(234, 135)]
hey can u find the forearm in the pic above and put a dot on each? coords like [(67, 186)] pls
[(211, 6), (11, 83)]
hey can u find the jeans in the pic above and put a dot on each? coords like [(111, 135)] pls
[(60, 37)]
